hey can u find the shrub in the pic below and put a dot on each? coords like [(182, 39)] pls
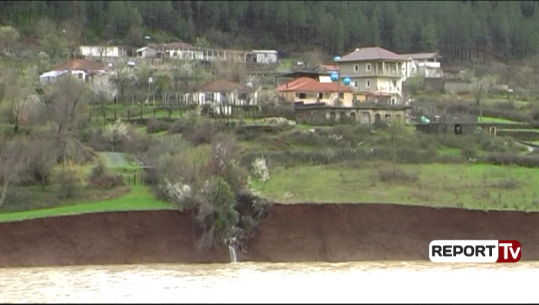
[(397, 176), (70, 178), (99, 170), (260, 169), (154, 126), (107, 181), (204, 133)]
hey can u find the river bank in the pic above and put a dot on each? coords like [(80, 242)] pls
[(291, 233)]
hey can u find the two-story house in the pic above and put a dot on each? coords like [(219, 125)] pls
[(376, 74)]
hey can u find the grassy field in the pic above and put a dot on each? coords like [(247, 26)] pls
[(138, 197), (486, 119), (485, 187)]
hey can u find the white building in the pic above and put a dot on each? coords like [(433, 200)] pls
[(264, 56), (146, 52), (103, 51), (423, 65), (83, 69)]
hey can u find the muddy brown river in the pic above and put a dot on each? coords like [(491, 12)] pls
[(263, 282)]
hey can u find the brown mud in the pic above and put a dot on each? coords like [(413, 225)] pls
[(291, 233)]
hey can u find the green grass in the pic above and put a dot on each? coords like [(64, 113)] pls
[(486, 119), (139, 198), (439, 185)]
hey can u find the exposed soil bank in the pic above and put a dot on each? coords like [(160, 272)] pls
[(291, 233)]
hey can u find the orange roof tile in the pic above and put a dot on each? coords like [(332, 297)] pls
[(307, 84), (81, 64)]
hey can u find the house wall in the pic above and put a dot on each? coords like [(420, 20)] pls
[(186, 54), (266, 58), (102, 51), (147, 53), (377, 68), (364, 116), (220, 97), (312, 98)]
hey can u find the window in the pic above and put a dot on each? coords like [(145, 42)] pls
[(368, 83), (356, 84), (341, 94), (395, 83), (80, 75), (388, 117), (393, 101), (302, 95), (356, 68), (320, 95), (369, 67)]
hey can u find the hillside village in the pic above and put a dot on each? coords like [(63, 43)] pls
[(371, 83), (217, 116)]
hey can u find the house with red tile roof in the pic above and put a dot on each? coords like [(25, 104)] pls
[(84, 69), (310, 91)]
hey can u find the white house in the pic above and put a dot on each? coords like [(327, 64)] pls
[(146, 52), (103, 51), (83, 69), (264, 56), (423, 65), (223, 92)]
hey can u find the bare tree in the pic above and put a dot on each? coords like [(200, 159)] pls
[(11, 159), (231, 71), (20, 92), (42, 155), (68, 100)]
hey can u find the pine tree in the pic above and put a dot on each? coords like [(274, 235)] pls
[(429, 41)]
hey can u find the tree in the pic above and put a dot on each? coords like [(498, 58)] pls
[(104, 90), (8, 37), (429, 41), (339, 36), (134, 37), (11, 165), (68, 100), (373, 38)]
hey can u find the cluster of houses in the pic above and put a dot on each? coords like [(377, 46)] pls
[(365, 85), (182, 51)]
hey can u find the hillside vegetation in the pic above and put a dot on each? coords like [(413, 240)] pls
[(456, 28)]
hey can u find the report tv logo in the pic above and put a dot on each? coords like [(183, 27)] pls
[(475, 251)]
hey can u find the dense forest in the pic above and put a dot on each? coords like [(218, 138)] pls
[(455, 28)]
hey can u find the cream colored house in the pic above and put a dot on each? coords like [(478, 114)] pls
[(310, 91), (423, 65), (376, 74), (103, 51)]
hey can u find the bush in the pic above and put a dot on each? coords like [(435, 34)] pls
[(397, 176), (204, 133), (70, 179), (107, 181), (99, 171), (154, 126)]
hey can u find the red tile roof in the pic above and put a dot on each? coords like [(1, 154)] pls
[(81, 64), (307, 84), (372, 53), (222, 85)]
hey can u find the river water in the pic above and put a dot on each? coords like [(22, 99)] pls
[(264, 283)]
